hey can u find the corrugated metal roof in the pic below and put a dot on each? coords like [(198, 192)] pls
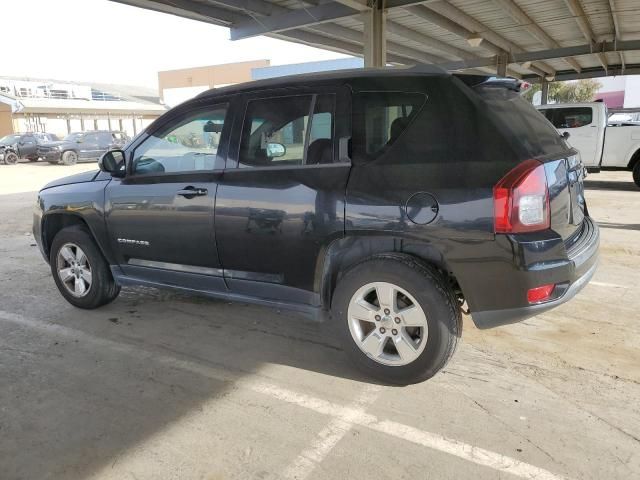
[(518, 30)]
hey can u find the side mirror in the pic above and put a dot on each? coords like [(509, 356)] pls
[(276, 150), (112, 162), (565, 135)]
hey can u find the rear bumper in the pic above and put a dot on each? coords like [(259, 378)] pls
[(570, 276)]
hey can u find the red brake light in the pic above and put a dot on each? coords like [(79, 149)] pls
[(521, 200), (540, 294)]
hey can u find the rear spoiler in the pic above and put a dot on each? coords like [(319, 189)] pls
[(475, 81)]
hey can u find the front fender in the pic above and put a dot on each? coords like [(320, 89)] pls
[(82, 201)]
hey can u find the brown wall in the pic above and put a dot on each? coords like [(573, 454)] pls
[(6, 124), (210, 76)]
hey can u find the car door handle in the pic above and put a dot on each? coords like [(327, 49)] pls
[(190, 192)]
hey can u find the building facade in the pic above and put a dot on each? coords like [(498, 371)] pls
[(62, 107), (176, 86)]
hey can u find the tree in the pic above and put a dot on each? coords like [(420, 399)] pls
[(567, 92)]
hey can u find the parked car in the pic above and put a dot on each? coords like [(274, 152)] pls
[(16, 146), (82, 146), (385, 201), (602, 144)]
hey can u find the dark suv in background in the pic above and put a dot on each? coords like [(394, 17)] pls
[(17, 146), (82, 146), (386, 201)]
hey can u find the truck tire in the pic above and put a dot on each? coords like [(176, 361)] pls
[(397, 318), (69, 157), (81, 273), (636, 173), (10, 158)]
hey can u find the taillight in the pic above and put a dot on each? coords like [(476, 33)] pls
[(521, 200), (540, 294)]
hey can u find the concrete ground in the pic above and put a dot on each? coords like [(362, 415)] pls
[(164, 386)]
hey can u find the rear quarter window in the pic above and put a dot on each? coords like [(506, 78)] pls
[(380, 118), (525, 127)]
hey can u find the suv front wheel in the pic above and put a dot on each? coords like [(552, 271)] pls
[(398, 319), (80, 271)]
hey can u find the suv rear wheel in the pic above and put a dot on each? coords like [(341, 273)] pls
[(80, 271), (398, 318)]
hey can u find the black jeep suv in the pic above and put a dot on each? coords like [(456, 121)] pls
[(386, 201), (82, 146)]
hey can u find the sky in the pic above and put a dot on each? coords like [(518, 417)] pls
[(104, 41)]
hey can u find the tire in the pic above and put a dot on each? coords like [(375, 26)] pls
[(10, 158), (425, 287), (101, 289), (636, 173), (69, 157)]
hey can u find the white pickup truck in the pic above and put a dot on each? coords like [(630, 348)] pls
[(602, 144)]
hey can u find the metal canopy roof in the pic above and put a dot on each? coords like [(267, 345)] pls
[(556, 39)]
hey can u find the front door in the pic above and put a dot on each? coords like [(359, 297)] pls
[(282, 202), (27, 146), (160, 216)]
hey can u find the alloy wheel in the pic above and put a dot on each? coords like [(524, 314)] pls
[(74, 270), (387, 323)]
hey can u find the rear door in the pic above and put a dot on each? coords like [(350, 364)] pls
[(160, 216), (88, 146), (105, 142), (282, 200)]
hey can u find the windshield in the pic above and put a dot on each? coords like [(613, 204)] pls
[(9, 139), (73, 137)]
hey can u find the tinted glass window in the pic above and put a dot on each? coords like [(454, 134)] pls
[(385, 116), (279, 131), (90, 138), (187, 145), (571, 117), (520, 122), (105, 138)]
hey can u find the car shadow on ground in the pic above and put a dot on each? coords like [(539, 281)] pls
[(114, 378), (620, 226), (610, 185)]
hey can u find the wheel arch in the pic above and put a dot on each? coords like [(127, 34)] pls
[(635, 158), (77, 152), (344, 253), (52, 223)]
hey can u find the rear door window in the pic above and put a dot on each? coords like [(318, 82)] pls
[(288, 131)]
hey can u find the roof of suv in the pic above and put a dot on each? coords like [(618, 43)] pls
[(307, 78)]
